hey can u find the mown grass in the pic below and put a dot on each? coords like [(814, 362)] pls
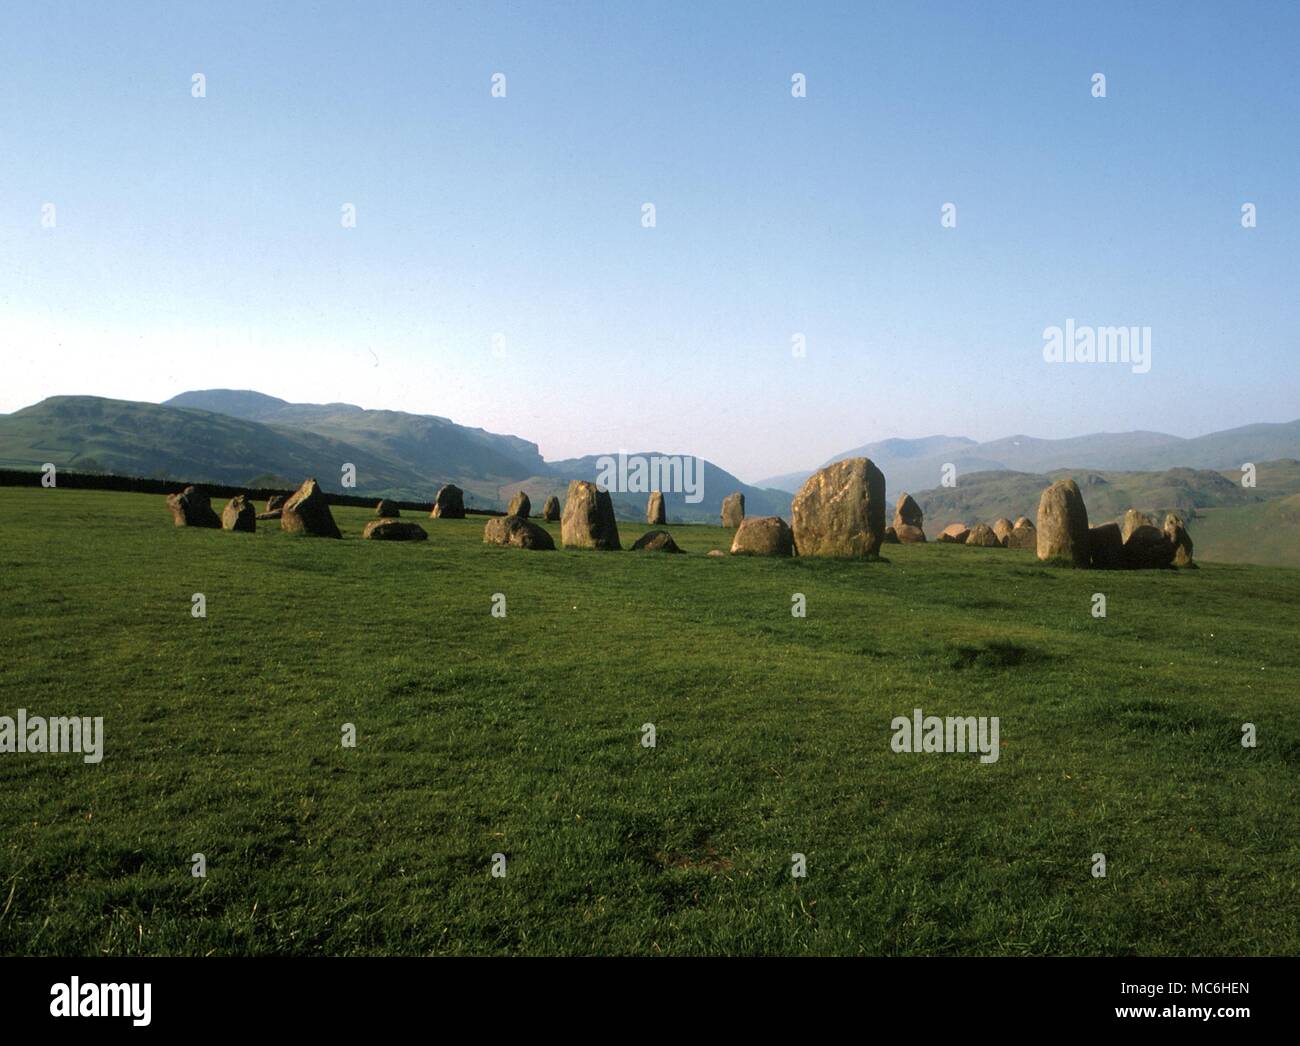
[(522, 735)]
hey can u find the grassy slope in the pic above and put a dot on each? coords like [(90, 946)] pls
[(520, 735)]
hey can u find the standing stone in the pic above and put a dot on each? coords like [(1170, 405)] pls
[(840, 510), (763, 536), (908, 535), (520, 506), (955, 533), (519, 532), (588, 518), (654, 510), (1106, 547), (733, 510), (907, 513), (1002, 529), (389, 529), (1147, 548), (891, 536), (551, 509), (308, 512), (191, 508), (1134, 519), (449, 503), (983, 536), (1063, 523), (1177, 536), (1023, 535), (655, 541), (239, 514), (387, 510)]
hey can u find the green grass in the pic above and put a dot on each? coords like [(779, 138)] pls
[(480, 735)]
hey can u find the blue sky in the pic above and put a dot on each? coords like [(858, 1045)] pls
[(198, 243)]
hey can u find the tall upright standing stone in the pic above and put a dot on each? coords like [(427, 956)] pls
[(654, 510), (1063, 524), (520, 506), (308, 512), (588, 518), (192, 508), (733, 510), (840, 510), (551, 509), (239, 514)]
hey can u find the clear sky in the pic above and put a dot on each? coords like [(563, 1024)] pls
[(198, 242)]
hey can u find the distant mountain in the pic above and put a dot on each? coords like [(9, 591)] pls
[(246, 438), (918, 464)]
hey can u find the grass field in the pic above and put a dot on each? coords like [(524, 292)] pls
[(521, 735)]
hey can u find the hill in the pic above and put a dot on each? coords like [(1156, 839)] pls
[(917, 464)]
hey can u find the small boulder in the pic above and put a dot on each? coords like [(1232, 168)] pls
[(1177, 535), (655, 541), (1063, 523), (387, 509), (308, 512), (840, 510), (982, 535), (763, 536), (517, 531), (654, 510), (1106, 547), (1002, 529), (269, 515), (389, 529), (588, 518), (551, 509), (239, 514), (449, 503), (733, 510), (520, 506), (192, 508), (955, 533), (276, 502), (716, 553)]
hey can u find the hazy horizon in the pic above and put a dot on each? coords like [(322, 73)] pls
[(197, 242)]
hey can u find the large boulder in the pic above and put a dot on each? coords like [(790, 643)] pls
[(192, 508), (840, 510), (955, 534), (733, 510), (308, 512), (907, 513), (588, 518), (389, 529), (551, 509), (654, 510), (1134, 519), (908, 535), (517, 531), (1106, 547), (1063, 523), (448, 503), (1147, 548), (763, 536), (239, 514), (1002, 529), (520, 506), (1023, 535), (655, 541), (1176, 534), (982, 535), (387, 509)]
